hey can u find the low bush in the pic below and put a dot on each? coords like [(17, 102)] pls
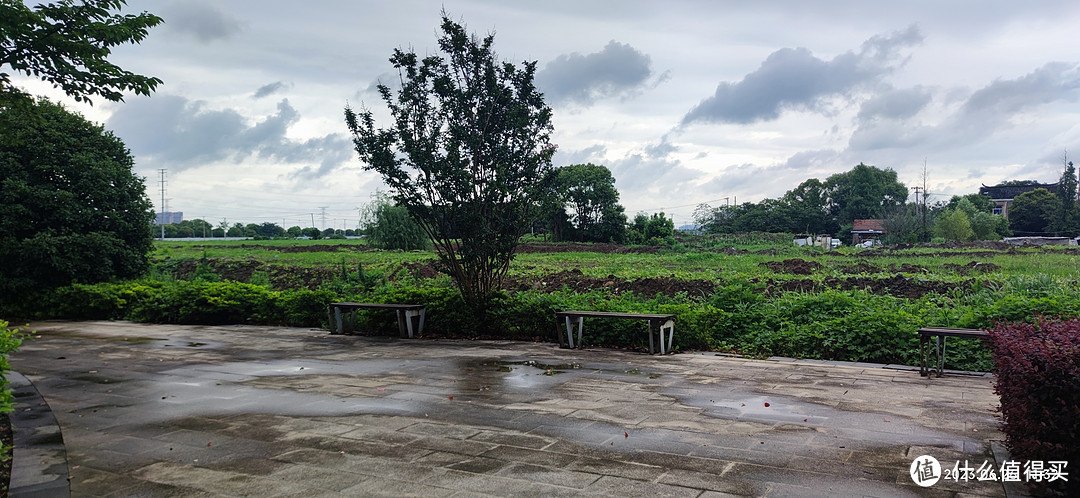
[(1038, 379), (10, 340)]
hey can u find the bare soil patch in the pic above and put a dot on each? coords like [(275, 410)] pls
[(796, 266), (578, 282)]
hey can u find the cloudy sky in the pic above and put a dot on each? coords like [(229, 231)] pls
[(686, 102)]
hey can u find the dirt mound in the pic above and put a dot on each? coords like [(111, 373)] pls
[(578, 282), (795, 266), (578, 247), (896, 285), (419, 270), (280, 276), (860, 267), (907, 268), (970, 268)]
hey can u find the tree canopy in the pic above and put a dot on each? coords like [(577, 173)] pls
[(1032, 212), (865, 192), (467, 152), (814, 206), (67, 43), (589, 191), (71, 209)]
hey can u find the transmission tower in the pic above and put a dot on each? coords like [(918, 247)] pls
[(322, 214)]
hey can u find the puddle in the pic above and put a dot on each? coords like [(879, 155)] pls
[(156, 342), (785, 412)]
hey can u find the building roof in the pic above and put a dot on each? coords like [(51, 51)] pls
[(1011, 191), (868, 226)]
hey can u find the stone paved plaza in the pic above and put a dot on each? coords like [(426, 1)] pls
[(161, 410)]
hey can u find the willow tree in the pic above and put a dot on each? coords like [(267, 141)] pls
[(466, 153)]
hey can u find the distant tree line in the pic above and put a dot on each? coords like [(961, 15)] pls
[(814, 206), (266, 230)]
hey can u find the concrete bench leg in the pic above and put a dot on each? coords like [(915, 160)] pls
[(570, 331), (670, 326), (409, 314), (337, 320), (402, 324), (923, 342), (939, 350), (665, 339)]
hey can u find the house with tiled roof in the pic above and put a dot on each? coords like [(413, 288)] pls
[(1003, 195), (864, 230)]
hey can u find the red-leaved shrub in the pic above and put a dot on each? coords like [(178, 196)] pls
[(1038, 379)]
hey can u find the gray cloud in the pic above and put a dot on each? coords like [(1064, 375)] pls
[(173, 131), (200, 19), (618, 70), (984, 112), (1052, 82), (270, 89), (895, 104), (793, 78), (773, 180)]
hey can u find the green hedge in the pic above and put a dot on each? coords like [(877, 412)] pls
[(852, 325), (10, 340)]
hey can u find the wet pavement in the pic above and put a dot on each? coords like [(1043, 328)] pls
[(162, 410)]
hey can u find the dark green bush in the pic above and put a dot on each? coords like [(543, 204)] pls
[(10, 340)]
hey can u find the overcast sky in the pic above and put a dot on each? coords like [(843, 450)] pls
[(685, 101)]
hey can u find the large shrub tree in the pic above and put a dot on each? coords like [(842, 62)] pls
[(71, 209), (589, 191), (466, 153)]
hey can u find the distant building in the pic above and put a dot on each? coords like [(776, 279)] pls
[(1003, 195), (866, 230), (168, 218)]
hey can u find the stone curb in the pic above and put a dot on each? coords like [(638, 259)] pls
[(39, 463)]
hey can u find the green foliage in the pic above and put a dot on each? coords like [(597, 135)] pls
[(392, 227), (988, 226), (466, 155), (10, 340), (589, 189), (209, 303), (865, 192), (1032, 212), (654, 230), (66, 43), (71, 208), (973, 203), (1066, 222), (953, 226), (904, 225)]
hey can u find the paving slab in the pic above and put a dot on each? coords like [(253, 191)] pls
[(168, 410)]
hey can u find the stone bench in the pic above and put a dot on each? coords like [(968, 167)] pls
[(657, 322), (941, 333), (343, 316)]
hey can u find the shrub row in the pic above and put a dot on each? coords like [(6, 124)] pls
[(1038, 379), (838, 325)]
